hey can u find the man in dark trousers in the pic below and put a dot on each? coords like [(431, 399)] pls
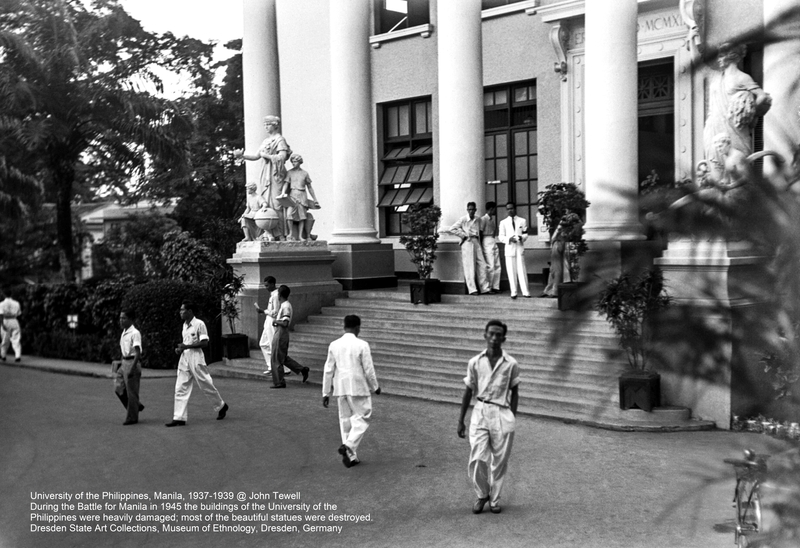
[(128, 371), (280, 342)]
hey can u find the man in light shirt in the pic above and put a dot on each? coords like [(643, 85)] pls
[(491, 253), (468, 229), (351, 374), (192, 365), (271, 313), (513, 233), (10, 311), (493, 378), (280, 341), (128, 372)]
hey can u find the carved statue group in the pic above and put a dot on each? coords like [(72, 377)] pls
[(277, 207)]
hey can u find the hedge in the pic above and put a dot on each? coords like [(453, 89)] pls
[(157, 304)]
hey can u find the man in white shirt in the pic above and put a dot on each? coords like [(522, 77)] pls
[(128, 372), (280, 341), (513, 233), (271, 313), (468, 229), (10, 311), (192, 365), (493, 378), (351, 374), (491, 253)]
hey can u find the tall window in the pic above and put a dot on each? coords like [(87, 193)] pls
[(395, 15), (511, 152), (656, 92), (407, 170)]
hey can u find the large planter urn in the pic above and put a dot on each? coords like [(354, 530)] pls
[(426, 291), (235, 345), (639, 389)]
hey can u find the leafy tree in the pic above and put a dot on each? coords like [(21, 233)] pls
[(78, 108)]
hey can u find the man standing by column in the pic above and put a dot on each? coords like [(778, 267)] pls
[(9, 314), (350, 370), (493, 377), (129, 371), (468, 228), (192, 365), (491, 254), (269, 330), (513, 233)]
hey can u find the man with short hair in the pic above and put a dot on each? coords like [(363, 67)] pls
[(10, 312), (270, 314), (513, 233), (350, 372), (468, 229), (491, 253), (280, 342), (493, 378), (192, 365), (128, 372)]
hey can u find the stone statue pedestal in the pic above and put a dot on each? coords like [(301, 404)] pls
[(709, 280), (304, 266)]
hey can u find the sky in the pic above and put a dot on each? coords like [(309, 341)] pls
[(218, 20)]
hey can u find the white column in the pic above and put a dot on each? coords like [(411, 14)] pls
[(781, 69), (461, 160), (261, 76), (611, 121), (351, 121)]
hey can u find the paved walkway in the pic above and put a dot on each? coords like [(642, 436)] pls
[(568, 485)]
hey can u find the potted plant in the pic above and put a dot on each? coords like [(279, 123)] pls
[(421, 243), (563, 209), (234, 345), (630, 304)]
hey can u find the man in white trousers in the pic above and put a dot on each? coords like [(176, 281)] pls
[(10, 311), (351, 374), (493, 378), (271, 312), (513, 233), (468, 229), (491, 253), (192, 365)]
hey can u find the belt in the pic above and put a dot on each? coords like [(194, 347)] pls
[(491, 402)]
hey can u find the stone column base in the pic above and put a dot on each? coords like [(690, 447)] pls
[(364, 266), (303, 266)]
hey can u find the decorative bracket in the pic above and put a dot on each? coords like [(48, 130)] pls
[(559, 37), (693, 13)]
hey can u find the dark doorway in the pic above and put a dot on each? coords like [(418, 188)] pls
[(657, 120)]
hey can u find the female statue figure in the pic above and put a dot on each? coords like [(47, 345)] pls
[(273, 153)]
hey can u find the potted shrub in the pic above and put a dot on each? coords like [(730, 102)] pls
[(563, 207), (234, 345), (421, 243), (630, 304)]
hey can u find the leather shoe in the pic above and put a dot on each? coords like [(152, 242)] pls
[(278, 385), (141, 408), (494, 508), (126, 423), (222, 412), (513, 296), (477, 508), (175, 423), (345, 456), (305, 374)]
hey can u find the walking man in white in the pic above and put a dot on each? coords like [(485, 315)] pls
[(351, 374), (9, 314), (468, 228), (491, 253), (513, 233), (192, 365), (493, 378), (128, 373), (271, 313)]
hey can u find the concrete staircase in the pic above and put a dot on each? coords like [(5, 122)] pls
[(569, 361)]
